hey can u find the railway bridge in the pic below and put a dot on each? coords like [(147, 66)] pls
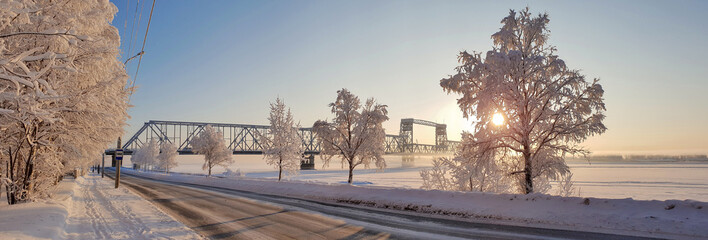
[(244, 138)]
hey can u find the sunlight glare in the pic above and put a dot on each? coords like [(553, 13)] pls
[(498, 119)]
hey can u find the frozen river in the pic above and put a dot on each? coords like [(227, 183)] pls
[(644, 181)]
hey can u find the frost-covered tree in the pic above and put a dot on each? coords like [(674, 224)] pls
[(167, 158), (465, 174), (147, 155), (356, 133), (549, 108), (211, 143), (136, 158), (439, 176), (566, 186), (282, 144), (62, 90), (470, 170)]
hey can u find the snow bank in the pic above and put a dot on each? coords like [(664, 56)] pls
[(671, 218), (38, 220)]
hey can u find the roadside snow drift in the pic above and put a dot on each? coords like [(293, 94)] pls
[(38, 220), (671, 218)]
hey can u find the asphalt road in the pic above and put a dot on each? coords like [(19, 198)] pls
[(220, 213)]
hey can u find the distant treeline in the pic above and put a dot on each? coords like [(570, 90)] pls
[(642, 158)]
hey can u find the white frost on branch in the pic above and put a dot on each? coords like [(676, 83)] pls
[(566, 186), (282, 144), (211, 144), (146, 156), (356, 133), (167, 159)]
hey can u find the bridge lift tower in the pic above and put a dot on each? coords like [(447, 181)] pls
[(406, 132)]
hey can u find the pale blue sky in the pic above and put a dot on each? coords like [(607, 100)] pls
[(224, 61)]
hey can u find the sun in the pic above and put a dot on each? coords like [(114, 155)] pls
[(498, 119)]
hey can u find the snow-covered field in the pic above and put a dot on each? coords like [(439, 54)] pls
[(90, 208), (642, 181)]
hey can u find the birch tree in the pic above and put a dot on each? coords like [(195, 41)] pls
[(356, 133), (548, 107), (283, 146), (211, 144), (167, 159), (62, 90)]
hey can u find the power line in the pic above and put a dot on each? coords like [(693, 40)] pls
[(125, 25), (132, 29), (142, 50), (140, 19)]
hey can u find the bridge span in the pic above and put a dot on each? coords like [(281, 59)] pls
[(244, 138)]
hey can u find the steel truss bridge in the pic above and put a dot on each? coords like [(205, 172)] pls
[(245, 138)]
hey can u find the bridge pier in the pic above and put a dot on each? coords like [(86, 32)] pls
[(407, 161), (308, 163)]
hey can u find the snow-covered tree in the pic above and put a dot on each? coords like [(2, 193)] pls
[(566, 186), (548, 108), (282, 144), (211, 143), (136, 158), (167, 158), (439, 176), (62, 90), (471, 169), (356, 133), (147, 155), (463, 174)]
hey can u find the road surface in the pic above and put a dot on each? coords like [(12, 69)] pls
[(220, 213)]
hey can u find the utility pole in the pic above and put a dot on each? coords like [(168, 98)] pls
[(119, 162), (103, 164)]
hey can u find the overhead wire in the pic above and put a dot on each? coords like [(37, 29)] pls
[(132, 31), (135, 77), (125, 25), (140, 20)]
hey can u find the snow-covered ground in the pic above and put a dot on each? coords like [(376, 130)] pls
[(90, 208), (38, 220), (665, 219), (642, 181)]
